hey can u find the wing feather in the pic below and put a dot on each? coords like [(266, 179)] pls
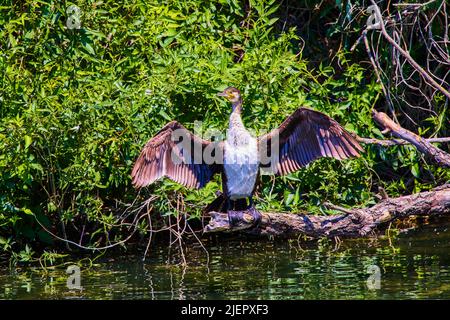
[(166, 156), (305, 136)]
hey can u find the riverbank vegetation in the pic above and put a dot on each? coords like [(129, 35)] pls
[(77, 105)]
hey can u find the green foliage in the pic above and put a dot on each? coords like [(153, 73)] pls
[(76, 107)]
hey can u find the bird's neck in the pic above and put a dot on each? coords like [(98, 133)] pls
[(237, 134), (236, 120), (235, 117), (237, 106)]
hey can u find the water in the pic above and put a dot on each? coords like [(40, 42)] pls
[(413, 265)]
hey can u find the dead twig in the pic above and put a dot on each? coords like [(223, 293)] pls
[(407, 56)]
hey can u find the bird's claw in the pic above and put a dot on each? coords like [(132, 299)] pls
[(242, 219)]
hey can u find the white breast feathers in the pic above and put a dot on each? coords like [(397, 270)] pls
[(240, 163)]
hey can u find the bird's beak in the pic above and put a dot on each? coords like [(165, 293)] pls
[(221, 94)]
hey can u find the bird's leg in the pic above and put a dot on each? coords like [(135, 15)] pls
[(253, 212), (235, 217), (228, 205)]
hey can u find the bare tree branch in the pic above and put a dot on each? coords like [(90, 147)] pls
[(441, 157), (394, 142)]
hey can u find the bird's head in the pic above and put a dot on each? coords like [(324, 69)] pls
[(231, 94)]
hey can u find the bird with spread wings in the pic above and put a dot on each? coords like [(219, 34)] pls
[(176, 153)]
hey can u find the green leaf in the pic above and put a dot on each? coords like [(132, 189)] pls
[(272, 21), (27, 211), (51, 207), (28, 141), (164, 115), (88, 48), (415, 170)]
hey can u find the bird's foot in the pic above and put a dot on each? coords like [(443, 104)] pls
[(243, 219), (256, 215), (235, 217), (233, 220)]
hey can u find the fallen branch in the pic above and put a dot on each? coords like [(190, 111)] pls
[(441, 157), (395, 142), (360, 222)]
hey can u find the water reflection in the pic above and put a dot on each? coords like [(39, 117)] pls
[(415, 265)]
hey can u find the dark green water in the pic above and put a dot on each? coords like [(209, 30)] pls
[(414, 265)]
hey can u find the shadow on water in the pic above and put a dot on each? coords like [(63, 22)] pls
[(414, 265)]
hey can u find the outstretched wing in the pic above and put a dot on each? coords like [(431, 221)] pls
[(178, 154), (302, 138)]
